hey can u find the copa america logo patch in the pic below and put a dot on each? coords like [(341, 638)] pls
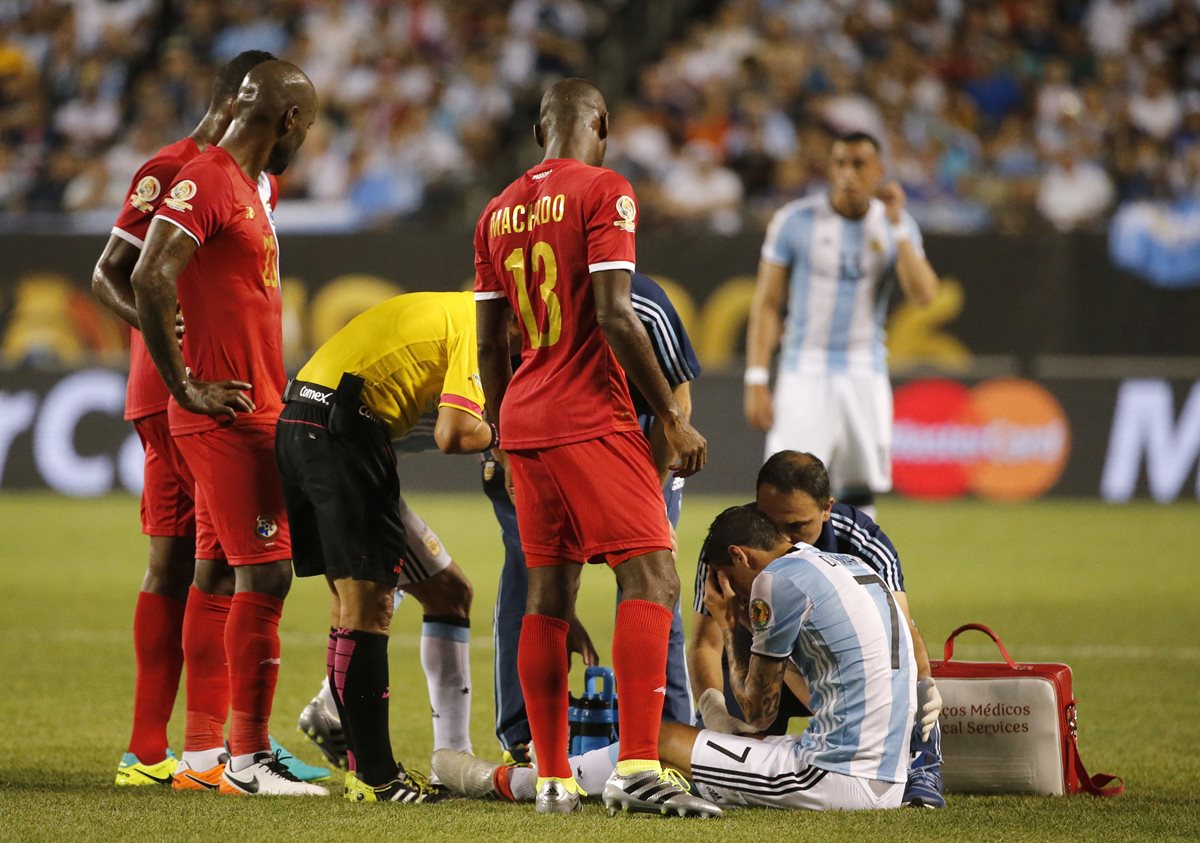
[(147, 191), (265, 527), (627, 211), (180, 194), (760, 613)]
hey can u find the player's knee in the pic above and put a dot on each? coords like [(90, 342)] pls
[(272, 578), (171, 567)]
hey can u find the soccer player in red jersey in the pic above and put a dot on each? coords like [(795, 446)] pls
[(213, 248), (168, 513), (557, 246)]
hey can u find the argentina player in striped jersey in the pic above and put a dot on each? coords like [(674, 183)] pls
[(835, 620), (830, 260), (793, 490)]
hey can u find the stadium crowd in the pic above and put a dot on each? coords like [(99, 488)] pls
[(993, 115)]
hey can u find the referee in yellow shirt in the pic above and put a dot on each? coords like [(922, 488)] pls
[(407, 357)]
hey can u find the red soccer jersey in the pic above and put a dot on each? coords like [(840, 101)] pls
[(229, 292), (145, 393), (537, 244)]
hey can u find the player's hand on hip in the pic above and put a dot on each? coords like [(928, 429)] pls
[(893, 198), (217, 398), (690, 448), (929, 706), (717, 717), (578, 641), (759, 412)]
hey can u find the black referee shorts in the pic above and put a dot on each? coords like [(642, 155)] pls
[(342, 495)]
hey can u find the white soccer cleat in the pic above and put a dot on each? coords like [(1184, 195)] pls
[(553, 798), (267, 777), (651, 792)]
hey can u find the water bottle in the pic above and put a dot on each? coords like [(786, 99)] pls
[(593, 716)]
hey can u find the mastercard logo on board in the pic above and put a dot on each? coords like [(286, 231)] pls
[(1004, 439)]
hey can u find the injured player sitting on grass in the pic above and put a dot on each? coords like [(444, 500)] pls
[(829, 615)]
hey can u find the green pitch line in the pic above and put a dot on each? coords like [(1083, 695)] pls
[(1111, 590)]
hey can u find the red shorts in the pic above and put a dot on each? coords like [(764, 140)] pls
[(597, 498), (167, 489), (240, 514)]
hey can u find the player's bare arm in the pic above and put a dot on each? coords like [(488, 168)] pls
[(627, 338), (154, 279), (918, 280), (756, 681), (110, 279), (762, 338), (458, 432), (495, 366), (704, 655), (660, 448)]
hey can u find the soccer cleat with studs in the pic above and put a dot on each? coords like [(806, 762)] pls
[(131, 772), (188, 778), (653, 792), (410, 788), (324, 728), (266, 777), (554, 798), (301, 770)]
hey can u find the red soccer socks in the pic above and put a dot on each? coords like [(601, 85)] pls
[(158, 647), (252, 651), (542, 665), (207, 675), (640, 664)]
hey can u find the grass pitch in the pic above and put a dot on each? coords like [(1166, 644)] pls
[(1112, 591)]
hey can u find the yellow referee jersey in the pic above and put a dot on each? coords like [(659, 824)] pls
[(416, 353)]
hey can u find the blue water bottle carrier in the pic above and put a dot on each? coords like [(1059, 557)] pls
[(593, 717)]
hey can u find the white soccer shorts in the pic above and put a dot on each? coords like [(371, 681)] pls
[(737, 770), (844, 419), (427, 555)]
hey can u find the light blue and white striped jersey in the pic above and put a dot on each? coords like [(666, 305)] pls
[(837, 621), (841, 273)]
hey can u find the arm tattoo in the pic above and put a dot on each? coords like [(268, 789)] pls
[(757, 682)]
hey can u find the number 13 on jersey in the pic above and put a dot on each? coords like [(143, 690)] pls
[(542, 260)]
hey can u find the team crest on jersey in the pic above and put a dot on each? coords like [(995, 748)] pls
[(876, 246), (180, 194), (760, 613), (433, 545), (627, 211), (266, 527), (489, 470), (249, 212), (146, 192)]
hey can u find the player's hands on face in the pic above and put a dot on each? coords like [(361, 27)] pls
[(690, 448), (760, 413), (892, 196), (720, 599), (217, 398), (578, 641)]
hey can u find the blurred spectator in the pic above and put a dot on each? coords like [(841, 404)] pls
[(985, 110), (1073, 193)]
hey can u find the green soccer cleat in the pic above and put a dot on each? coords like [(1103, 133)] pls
[(304, 772), (133, 773), (409, 787)]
